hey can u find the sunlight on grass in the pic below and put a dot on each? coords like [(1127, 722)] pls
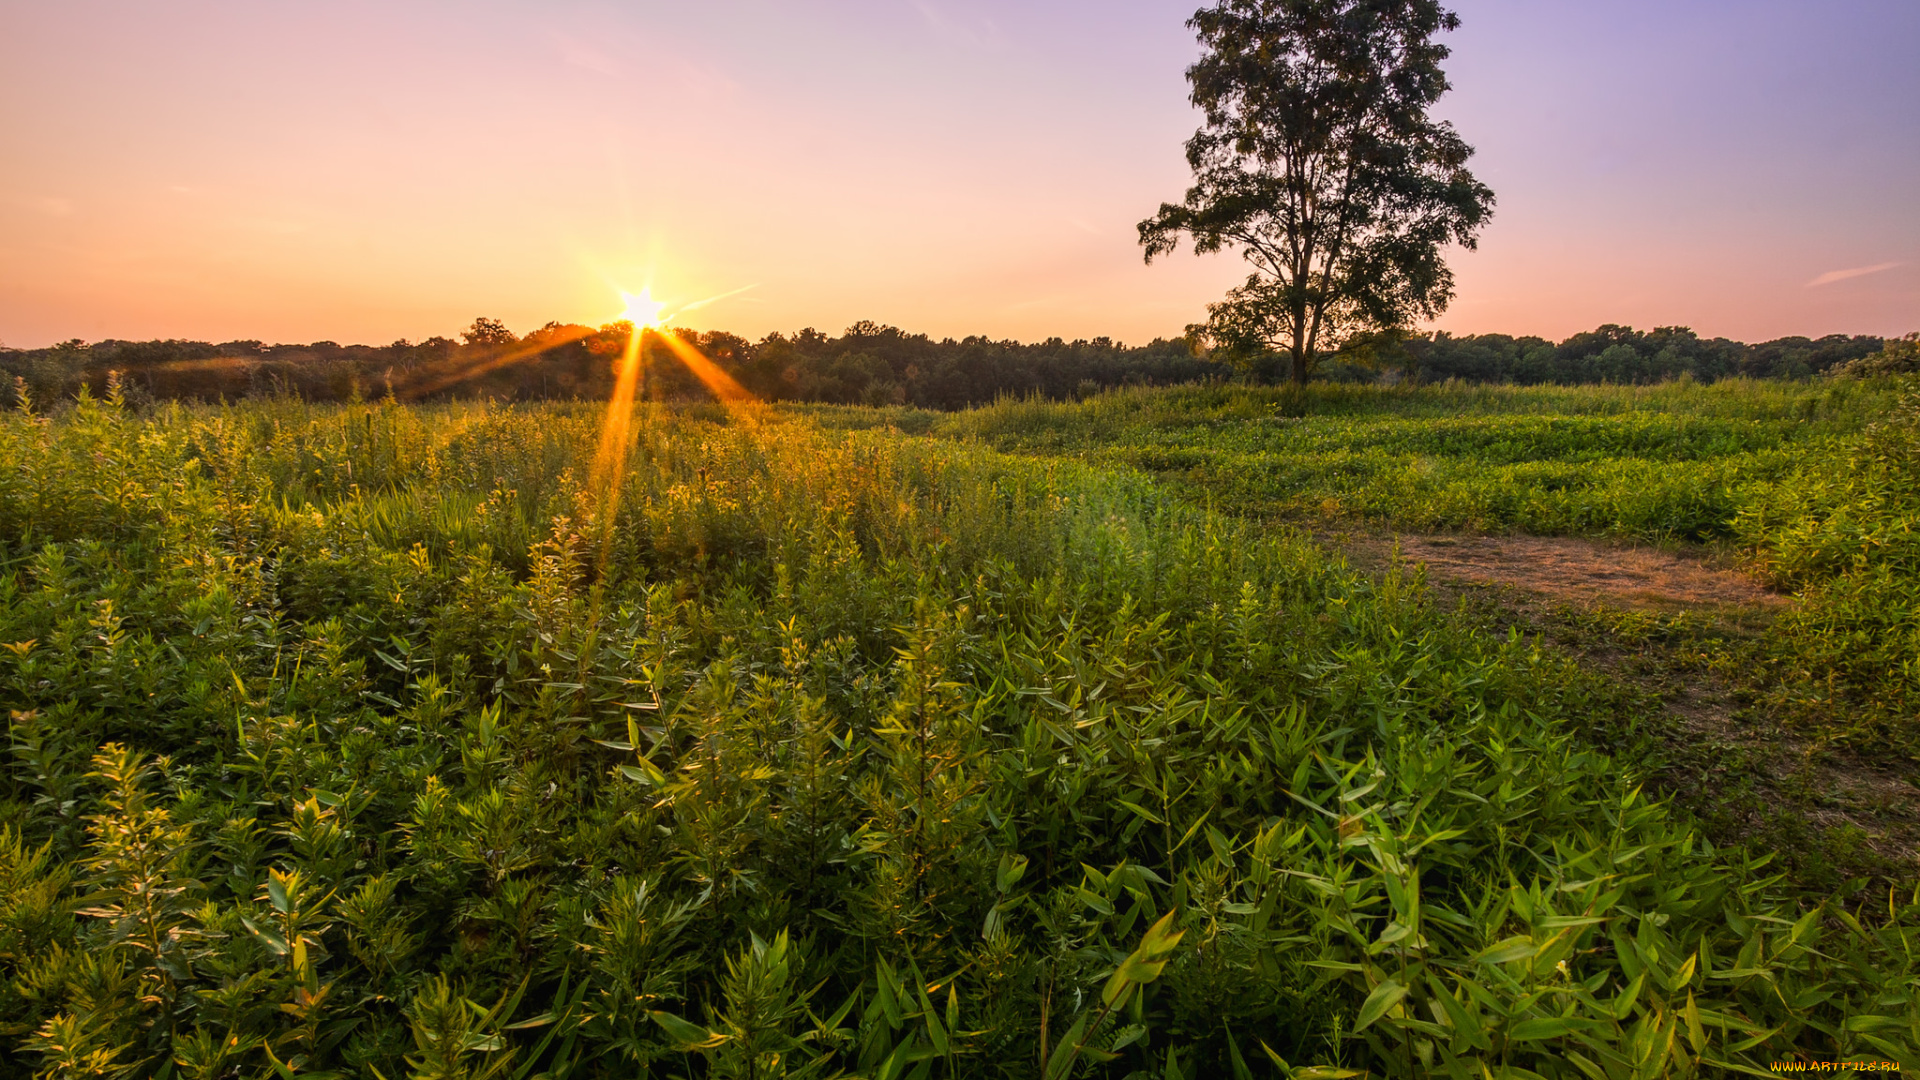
[(660, 734)]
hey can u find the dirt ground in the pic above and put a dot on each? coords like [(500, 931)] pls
[(1583, 571)]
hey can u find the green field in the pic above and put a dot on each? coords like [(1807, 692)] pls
[(1037, 740), (1812, 487)]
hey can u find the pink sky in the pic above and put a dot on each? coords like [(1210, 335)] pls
[(362, 171)]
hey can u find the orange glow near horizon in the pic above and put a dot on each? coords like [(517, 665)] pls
[(346, 196)]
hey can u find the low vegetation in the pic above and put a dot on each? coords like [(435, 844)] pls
[(1813, 486), (383, 740)]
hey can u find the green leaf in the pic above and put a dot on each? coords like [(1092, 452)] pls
[(1336, 965), (1239, 1063), (1736, 1067), (1145, 963), (1868, 1023), (1161, 937), (1758, 1037), (685, 1035), (1561, 922), (936, 1033), (271, 939), (884, 995), (1094, 900), (1467, 1029), (1805, 927), (1505, 952), (1011, 869), (1623, 1005), (1591, 1070), (1191, 829), (1384, 997), (1548, 1027), (645, 773), (1061, 1063), (1695, 1033)]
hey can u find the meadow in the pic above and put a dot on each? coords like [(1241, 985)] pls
[(1039, 740), (1811, 486)]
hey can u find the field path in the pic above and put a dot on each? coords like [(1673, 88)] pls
[(1567, 568), (1726, 758)]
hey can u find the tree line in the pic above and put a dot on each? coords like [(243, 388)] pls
[(1609, 354), (867, 364)]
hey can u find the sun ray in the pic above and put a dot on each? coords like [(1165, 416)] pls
[(711, 375), (684, 308), (610, 463), (482, 366), (616, 430)]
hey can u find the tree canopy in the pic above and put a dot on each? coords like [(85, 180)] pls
[(1319, 162)]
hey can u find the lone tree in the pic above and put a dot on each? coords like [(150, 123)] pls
[(1319, 162), (485, 331)]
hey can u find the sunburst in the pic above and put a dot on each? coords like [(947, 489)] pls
[(643, 311), (644, 314)]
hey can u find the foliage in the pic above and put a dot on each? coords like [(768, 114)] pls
[(1620, 354), (1814, 483), (1845, 529), (1319, 162), (1900, 357), (869, 364), (352, 741)]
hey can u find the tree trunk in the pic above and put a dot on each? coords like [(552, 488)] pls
[(1301, 343)]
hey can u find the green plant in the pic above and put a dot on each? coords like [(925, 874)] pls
[(858, 751)]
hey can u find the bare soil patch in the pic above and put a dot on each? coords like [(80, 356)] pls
[(1576, 570)]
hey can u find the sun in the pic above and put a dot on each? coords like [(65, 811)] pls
[(643, 310)]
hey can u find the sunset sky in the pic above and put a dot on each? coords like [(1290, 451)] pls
[(364, 171)]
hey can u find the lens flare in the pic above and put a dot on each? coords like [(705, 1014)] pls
[(459, 373), (616, 431), (643, 311), (610, 462), (711, 375)]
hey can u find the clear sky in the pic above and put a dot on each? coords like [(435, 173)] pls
[(365, 170)]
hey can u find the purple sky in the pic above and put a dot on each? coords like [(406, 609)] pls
[(364, 171)]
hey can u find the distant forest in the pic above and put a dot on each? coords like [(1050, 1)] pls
[(867, 364)]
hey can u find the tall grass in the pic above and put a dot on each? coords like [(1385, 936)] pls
[(357, 741), (1810, 483)]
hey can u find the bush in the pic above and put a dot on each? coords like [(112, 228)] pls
[(1899, 357)]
